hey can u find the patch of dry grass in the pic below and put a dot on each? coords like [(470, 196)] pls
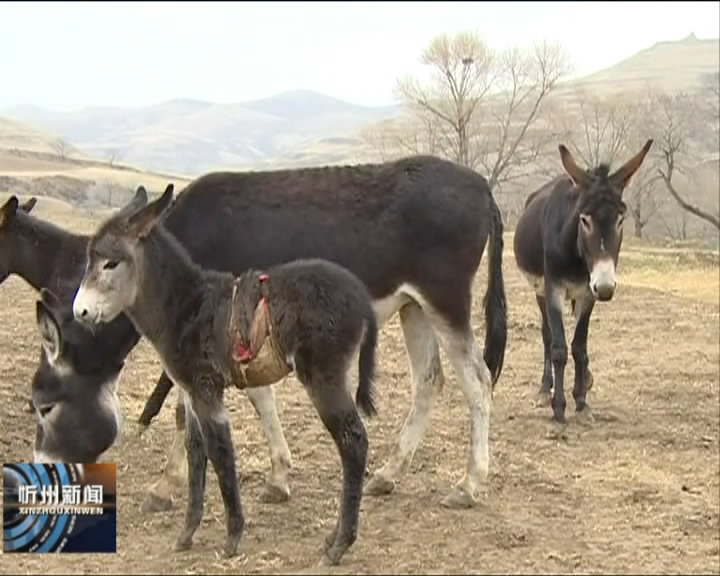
[(684, 272)]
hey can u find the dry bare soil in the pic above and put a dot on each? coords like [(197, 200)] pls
[(636, 491)]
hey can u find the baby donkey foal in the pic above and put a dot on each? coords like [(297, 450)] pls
[(208, 328)]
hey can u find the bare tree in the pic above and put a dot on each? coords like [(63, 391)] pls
[(421, 135), (62, 148), (603, 129), (378, 137), (481, 105), (675, 224), (462, 71), (677, 130), (526, 80), (405, 135), (113, 155), (710, 99), (643, 198), (595, 129)]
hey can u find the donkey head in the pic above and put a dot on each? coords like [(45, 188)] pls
[(8, 213), (114, 262), (601, 213), (72, 389)]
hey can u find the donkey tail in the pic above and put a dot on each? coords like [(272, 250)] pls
[(365, 396), (494, 301)]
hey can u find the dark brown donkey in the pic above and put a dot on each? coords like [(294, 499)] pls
[(414, 231), (203, 323), (567, 243)]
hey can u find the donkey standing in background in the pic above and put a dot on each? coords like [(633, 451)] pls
[(567, 242), (319, 314), (78, 418), (414, 231)]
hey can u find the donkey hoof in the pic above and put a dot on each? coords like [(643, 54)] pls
[(379, 486), (556, 430), (273, 494), (184, 542), (231, 546), (459, 499), (332, 556), (154, 503), (330, 540), (585, 416), (543, 399)]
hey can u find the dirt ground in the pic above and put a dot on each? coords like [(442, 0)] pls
[(636, 491)]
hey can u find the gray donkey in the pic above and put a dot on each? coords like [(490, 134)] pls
[(209, 328), (78, 418)]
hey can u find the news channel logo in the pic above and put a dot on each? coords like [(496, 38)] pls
[(59, 508)]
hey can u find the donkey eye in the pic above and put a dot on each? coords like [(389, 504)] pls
[(110, 265), (585, 221)]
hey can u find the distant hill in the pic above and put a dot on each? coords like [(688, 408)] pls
[(19, 136), (193, 136), (34, 163), (294, 128), (669, 66)]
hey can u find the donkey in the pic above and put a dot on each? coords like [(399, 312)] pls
[(414, 231), (567, 243), (319, 315), (79, 418), (47, 256)]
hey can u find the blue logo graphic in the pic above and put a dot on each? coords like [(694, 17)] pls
[(59, 508)]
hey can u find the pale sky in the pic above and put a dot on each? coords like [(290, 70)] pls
[(66, 56)]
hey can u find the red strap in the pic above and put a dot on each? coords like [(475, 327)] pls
[(242, 353)]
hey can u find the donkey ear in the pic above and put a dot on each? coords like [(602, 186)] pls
[(134, 204), (7, 210), (49, 331), (623, 174), (577, 174), (29, 205), (142, 222), (49, 298), (141, 196)]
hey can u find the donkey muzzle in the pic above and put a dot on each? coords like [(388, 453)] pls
[(603, 280)]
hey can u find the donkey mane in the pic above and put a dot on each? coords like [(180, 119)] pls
[(600, 195), (601, 172)]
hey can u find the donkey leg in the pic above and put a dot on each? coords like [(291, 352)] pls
[(277, 488), (155, 401), (215, 425), (197, 473), (174, 476), (545, 394), (474, 378), (583, 377), (558, 349), (427, 377), (336, 409)]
